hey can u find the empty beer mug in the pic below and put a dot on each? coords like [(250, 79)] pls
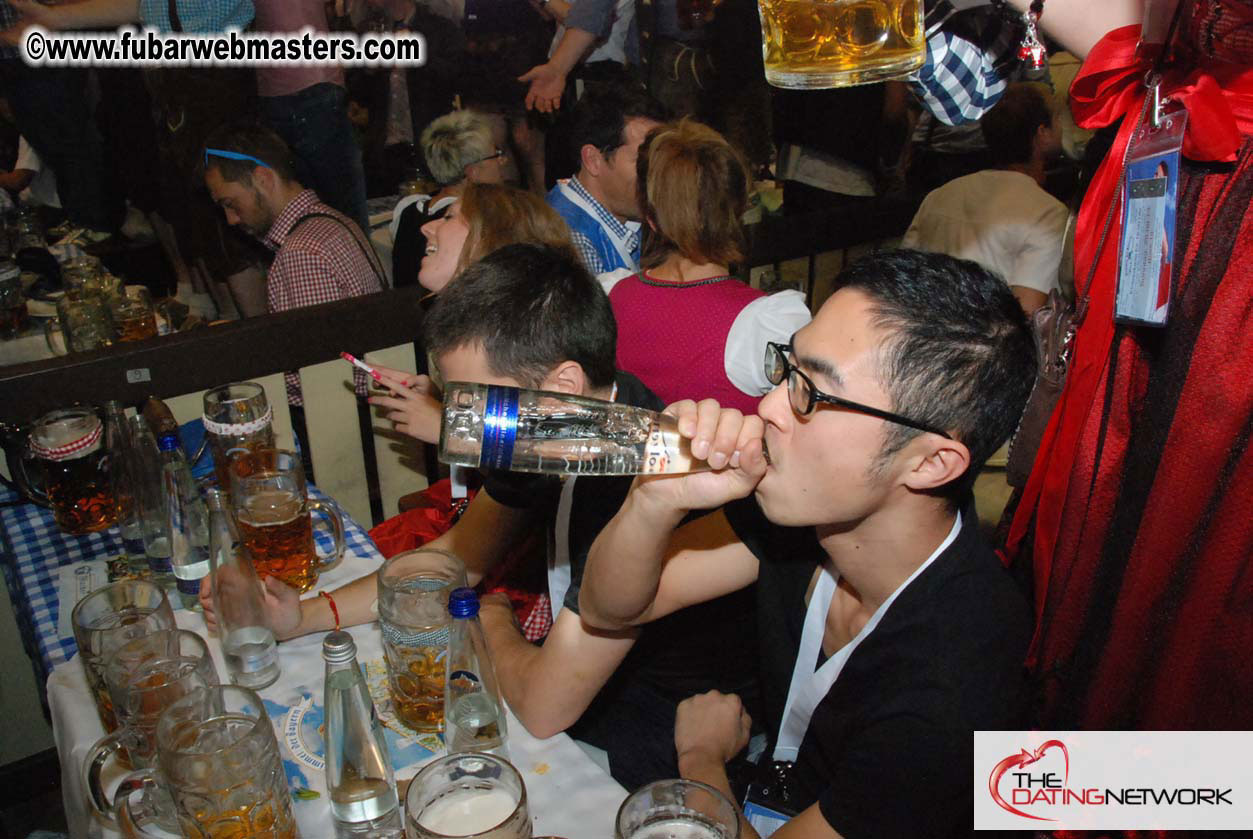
[(144, 677), (413, 589), (274, 514), (470, 795), (83, 324), (237, 420), (838, 43), (218, 759), (108, 618)]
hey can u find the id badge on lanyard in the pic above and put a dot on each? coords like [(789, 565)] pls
[(1150, 188)]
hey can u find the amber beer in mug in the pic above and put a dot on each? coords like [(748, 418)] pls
[(237, 419), (274, 514), (68, 447), (838, 43), (413, 590)]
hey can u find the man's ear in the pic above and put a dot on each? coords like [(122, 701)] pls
[(566, 377), (592, 161), (264, 180), (938, 462)]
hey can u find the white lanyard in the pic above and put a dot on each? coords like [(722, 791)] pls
[(809, 686), (619, 244), (559, 561)]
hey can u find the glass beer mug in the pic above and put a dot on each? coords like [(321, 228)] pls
[(275, 517), (84, 324), (467, 794), (839, 43), (218, 759), (237, 420), (68, 448)]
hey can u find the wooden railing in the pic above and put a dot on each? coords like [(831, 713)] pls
[(178, 368)]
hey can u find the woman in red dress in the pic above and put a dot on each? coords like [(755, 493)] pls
[(1138, 517)]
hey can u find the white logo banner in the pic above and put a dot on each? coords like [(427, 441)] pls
[(1113, 780)]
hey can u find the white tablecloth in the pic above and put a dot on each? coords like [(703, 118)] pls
[(569, 795)]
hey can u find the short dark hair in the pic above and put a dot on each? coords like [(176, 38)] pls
[(253, 139), (532, 307), (959, 356), (600, 118), (1010, 127)]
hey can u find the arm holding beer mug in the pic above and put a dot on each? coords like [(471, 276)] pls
[(480, 537)]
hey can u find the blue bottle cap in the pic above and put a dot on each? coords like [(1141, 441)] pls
[(463, 603), (167, 442)]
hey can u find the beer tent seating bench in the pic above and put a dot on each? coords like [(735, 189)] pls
[(178, 368)]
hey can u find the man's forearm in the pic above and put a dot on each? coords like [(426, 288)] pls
[(624, 566), (713, 772), (574, 44)]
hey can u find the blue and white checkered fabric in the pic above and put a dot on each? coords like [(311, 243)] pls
[(959, 81), (34, 549)]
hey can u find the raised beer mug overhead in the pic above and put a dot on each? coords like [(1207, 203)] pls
[(839, 43), (275, 517)]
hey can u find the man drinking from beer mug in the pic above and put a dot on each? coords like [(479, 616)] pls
[(888, 631)]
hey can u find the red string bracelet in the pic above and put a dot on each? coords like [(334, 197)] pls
[(334, 608)]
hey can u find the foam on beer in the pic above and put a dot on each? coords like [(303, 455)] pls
[(465, 812)]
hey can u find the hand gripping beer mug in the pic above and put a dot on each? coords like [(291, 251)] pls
[(68, 448), (275, 518), (838, 43), (413, 616), (108, 618), (218, 759), (144, 677), (237, 420), (467, 794), (677, 809)]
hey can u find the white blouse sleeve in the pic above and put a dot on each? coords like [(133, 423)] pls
[(772, 318)]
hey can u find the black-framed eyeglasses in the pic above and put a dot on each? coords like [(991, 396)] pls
[(803, 396), (499, 154)]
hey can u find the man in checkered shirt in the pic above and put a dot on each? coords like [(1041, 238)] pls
[(599, 202), (320, 254)]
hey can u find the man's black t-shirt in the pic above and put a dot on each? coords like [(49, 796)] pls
[(704, 647), (889, 751)]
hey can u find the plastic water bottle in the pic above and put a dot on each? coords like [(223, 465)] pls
[(509, 428), (359, 775), (474, 719), (247, 641)]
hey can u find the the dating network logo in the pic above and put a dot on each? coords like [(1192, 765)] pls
[(1019, 761)]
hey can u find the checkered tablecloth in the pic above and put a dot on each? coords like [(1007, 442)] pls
[(33, 550)]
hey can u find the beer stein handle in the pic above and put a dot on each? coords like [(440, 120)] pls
[(130, 819), (337, 532), (97, 756), (56, 349), (21, 477)]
